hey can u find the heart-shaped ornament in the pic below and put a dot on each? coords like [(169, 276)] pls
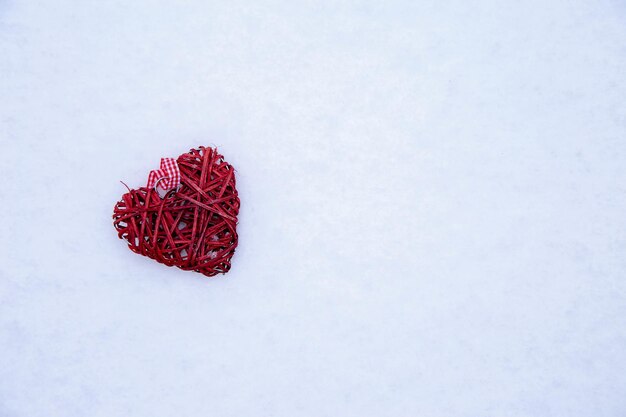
[(193, 224)]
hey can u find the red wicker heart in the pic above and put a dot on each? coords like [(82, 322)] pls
[(193, 227)]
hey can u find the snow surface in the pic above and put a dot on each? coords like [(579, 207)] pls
[(433, 211)]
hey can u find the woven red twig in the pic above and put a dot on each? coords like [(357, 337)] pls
[(194, 227)]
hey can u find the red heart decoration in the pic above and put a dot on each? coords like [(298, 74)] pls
[(193, 227)]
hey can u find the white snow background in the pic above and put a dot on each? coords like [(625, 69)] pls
[(433, 217)]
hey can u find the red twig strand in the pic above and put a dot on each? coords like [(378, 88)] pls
[(194, 227)]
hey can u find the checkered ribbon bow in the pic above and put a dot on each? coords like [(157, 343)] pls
[(167, 176)]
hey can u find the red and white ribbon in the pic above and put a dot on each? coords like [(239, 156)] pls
[(167, 177)]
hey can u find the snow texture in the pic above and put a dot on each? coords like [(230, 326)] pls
[(433, 214)]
